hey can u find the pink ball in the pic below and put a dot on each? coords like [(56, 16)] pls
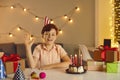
[(42, 75)]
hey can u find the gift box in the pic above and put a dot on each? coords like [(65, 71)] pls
[(11, 66), (95, 65), (11, 63), (106, 54), (112, 67)]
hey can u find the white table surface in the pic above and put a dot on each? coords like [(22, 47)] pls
[(60, 74)]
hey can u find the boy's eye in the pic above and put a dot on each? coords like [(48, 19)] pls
[(53, 34), (46, 34)]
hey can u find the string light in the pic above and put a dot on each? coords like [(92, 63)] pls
[(19, 29), (116, 11), (37, 18), (18, 5), (111, 22)]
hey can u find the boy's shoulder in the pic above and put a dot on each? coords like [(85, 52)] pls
[(38, 46), (59, 44)]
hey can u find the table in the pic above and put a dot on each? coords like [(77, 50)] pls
[(60, 74)]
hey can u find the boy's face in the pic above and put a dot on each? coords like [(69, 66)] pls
[(49, 36)]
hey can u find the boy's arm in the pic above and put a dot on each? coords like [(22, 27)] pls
[(64, 64)]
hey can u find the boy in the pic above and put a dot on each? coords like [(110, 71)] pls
[(48, 54)]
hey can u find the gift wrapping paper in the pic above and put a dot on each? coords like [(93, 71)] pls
[(97, 55), (112, 56), (95, 65), (112, 67)]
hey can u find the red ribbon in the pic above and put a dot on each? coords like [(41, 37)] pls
[(108, 48), (105, 48), (14, 58), (103, 55), (15, 63)]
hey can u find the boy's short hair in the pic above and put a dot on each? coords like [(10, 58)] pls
[(48, 27)]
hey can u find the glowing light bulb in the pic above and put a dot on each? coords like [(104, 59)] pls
[(77, 8), (19, 28), (24, 9), (10, 35), (111, 30), (51, 21), (65, 16), (12, 7), (36, 18), (60, 31), (31, 37), (70, 20)]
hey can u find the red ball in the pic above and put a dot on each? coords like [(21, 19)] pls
[(42, 75)]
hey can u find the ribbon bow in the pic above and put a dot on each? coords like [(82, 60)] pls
[(12, 57)]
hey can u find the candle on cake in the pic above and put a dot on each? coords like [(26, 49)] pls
[(81, 59), (71, 58), (75, 59)]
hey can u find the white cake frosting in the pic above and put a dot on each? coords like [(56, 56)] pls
[(76, 69)]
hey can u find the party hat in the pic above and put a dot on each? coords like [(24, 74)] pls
[(19, 75), (46, 21), (2, 70)]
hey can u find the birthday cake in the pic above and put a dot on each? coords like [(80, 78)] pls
[(76, 65)]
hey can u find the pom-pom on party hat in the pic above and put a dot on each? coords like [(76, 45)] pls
[(2, 70), (42, 75), (19, 75)]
